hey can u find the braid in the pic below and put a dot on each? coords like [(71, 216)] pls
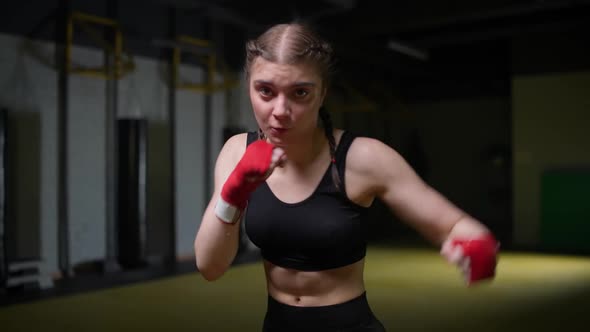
[(260, 134), (291, 44), (329, 131), (321, 48)]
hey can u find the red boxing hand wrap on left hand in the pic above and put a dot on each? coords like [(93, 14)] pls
[(248, 174), (482, 253)]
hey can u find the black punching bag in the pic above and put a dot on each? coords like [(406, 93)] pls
[(131, 193)]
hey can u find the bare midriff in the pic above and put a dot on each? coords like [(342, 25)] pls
[(315, 288)]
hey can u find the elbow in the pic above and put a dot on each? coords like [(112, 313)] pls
[(212, 276), (208, 267), (210, 272)]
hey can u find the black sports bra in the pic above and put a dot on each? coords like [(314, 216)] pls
[(324, 231)]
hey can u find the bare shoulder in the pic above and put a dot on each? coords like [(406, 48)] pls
[(232, 150), (236, 144), (367, 153), (375, 164)]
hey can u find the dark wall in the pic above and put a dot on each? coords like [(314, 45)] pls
[(143, 23)]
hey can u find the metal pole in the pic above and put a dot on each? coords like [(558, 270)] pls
[(111, 97), (208, 119), (63, 38), (172, 87), (3, 237)]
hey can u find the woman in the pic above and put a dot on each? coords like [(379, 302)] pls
[(307, 188)]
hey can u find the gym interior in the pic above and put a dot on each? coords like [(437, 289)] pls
[(112, 114)]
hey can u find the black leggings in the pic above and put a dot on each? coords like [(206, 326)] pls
[(351, 316)]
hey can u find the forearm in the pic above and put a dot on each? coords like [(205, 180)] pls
[(216, 245), (217, 240), (466, 227)]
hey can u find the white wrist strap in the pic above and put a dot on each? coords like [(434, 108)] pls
[(226, 212)]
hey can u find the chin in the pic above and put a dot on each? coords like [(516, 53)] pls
[(278, 140)]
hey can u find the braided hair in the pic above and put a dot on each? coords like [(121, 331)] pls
[(291, 44), (329, 132)]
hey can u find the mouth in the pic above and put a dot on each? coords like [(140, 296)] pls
[(278, 130)]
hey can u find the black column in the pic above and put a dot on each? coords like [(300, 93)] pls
[(172, 18), (111, 101), (131, 193), (207, 132), (3, 238), (63, 241)]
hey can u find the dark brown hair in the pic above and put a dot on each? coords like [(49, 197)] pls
[(292, 44)]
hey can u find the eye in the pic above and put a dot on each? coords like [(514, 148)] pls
[(265, 91), (301, 93)]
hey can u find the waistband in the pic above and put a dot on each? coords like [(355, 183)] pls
[(348, 313)]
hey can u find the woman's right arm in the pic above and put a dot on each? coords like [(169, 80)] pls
[(216, 243)]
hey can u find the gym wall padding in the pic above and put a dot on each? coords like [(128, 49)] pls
[(159, 199), (23, 178), (565, 210), (549, 130)]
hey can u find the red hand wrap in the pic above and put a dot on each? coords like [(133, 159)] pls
[(482, 255), (248, 174)]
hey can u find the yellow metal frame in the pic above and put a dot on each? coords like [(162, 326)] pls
[(123, 61), (210, 60)]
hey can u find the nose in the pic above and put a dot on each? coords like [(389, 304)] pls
[(281, 107)]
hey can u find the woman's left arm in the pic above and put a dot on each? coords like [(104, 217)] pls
[(391, 179)]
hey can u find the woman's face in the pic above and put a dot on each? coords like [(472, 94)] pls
[(285, 99)]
